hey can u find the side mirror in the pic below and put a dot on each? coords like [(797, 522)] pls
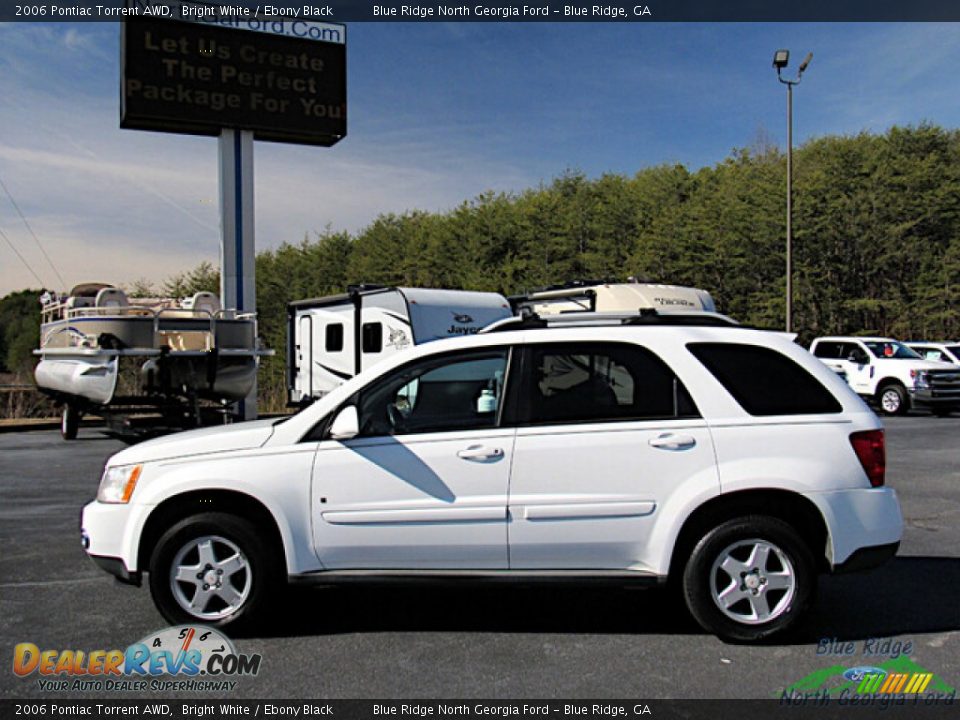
[(346, 424)]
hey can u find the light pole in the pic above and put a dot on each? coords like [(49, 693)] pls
[(780, 60)]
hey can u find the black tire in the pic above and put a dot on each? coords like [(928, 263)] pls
[(256, 585), (893, 400), (702, 580), (69, 422)]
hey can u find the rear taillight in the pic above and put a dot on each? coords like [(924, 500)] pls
[(870, 447)]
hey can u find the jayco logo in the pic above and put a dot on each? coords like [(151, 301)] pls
[(462, 328)]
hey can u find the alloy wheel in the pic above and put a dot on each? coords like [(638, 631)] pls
[(210, 577), (753, 581)]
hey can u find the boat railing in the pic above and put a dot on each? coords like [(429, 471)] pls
[(72, 313), (178, 328), (143, 311)]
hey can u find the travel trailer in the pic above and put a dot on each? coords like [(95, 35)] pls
[(106, 354), (601, 296), (331, 339)]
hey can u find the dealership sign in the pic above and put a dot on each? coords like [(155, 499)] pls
[(193, 72)]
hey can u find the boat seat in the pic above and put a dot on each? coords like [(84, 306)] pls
[(203, 301), (74, 302), (187, 340), (112, 298)]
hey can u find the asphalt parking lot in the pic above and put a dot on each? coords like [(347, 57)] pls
[(492, 643)]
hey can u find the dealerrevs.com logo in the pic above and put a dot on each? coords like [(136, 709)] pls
[(185, 657)]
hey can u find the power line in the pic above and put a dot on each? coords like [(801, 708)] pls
[(22, 259), (63, 283)]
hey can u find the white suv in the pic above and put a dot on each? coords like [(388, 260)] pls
[(892, 375), (633, 449)]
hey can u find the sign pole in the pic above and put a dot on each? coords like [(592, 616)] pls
[(237, 251)]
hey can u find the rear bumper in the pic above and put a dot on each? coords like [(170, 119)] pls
[(867, 558), (858, 523)]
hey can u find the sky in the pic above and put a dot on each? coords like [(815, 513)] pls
[(438, 113)]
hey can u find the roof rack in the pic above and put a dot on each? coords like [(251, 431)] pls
[(529, 320)]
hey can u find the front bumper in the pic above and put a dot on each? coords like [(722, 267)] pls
[(115, 567), (105, 535), (934, 397), (866, 523)]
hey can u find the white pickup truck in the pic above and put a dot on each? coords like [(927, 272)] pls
[(892, 375)]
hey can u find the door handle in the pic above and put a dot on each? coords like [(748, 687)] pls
[(669, 441), (480, 453)]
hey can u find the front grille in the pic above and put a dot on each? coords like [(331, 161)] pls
[(944, 383)]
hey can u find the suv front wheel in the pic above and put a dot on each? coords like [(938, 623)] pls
[(213, 568), (749, 578)]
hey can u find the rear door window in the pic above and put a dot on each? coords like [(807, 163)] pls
[(764, 381), (600, 382)]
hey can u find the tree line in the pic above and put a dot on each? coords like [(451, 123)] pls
[(876, 241)]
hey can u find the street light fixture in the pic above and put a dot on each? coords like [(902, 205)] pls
[(781, 58)]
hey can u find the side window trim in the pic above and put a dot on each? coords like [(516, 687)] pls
[(505, 411)]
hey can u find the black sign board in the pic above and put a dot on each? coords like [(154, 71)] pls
[(198, 78)]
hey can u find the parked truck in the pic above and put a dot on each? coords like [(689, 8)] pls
[(891, 375)]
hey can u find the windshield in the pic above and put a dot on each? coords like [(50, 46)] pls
[(891, 349), (954, 350)]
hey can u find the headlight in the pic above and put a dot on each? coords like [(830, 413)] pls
[(117, 483), (920, 378)]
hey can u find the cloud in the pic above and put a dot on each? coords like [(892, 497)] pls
[(120, 205), (438, 114)]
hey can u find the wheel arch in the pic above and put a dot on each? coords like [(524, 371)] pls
[(183, 505), (889, 380), (791, 507)]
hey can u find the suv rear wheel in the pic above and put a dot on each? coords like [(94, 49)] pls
[(213, 568), (749, 578)]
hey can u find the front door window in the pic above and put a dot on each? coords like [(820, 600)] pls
[(446, 394)]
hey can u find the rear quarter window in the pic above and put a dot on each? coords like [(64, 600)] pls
[(764, 381)]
